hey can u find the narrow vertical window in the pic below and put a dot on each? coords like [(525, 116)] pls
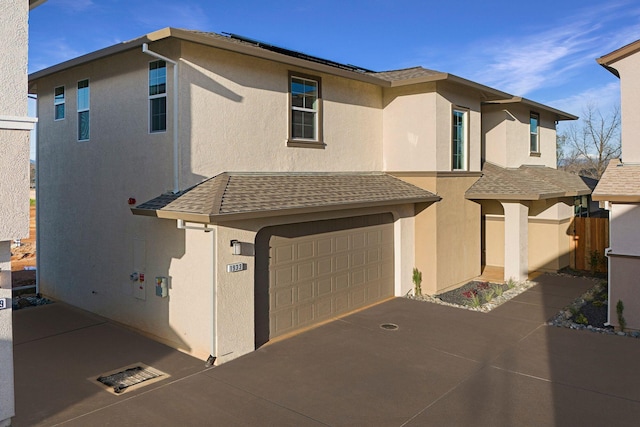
[(459, 140), (58, 103), (83, 110), (534, 131), (157, 96), (304, 109)]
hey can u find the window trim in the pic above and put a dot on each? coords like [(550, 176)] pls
[(465, 152), (535, 152), (84, 110), (156, 96), (303, 142), (57, 102)]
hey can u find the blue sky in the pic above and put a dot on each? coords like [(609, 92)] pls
[(544, 50)]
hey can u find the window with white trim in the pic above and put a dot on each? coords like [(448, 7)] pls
[(534, 133), (305, 109), (58, 103), (459, 138), (157, 96), (83, 110)]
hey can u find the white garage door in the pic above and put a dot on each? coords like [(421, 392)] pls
[(325, 269)]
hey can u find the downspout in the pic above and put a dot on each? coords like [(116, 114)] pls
[(176, 143), (37, 201)]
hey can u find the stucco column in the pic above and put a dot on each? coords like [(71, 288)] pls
[(516, 241), (6, 338)]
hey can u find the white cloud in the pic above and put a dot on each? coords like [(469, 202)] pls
[(552, 56), (74, 5), (605, 97), (52, 51)]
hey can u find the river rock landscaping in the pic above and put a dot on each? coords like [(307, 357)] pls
[(478, 295)]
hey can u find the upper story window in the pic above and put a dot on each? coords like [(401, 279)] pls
[(58, 103), (534, 131), (306, 106), (83, 110), (459, 146), (157, 96)]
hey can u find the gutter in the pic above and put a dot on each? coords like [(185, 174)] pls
[(176, 142)]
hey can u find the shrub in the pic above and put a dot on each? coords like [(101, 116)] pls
[(488, 295), (417, 281), (581, 319), (498, 290), (620, 310)]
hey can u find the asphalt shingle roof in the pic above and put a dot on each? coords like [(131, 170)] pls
[(620, 182), (405, 74), (246, 195), (525, 183)]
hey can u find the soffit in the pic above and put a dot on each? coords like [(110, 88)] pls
[(231, 196), (525, 183)]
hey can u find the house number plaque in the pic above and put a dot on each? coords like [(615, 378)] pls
[(238, 266), (3, 303)]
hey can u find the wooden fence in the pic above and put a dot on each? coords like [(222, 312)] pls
[(590, 239)]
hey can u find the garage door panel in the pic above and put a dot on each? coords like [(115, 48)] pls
[(305, 271), (342, 262), (342, 282), (305, 250), (282, 298), (326, 269), (305, 292), (324, 266)]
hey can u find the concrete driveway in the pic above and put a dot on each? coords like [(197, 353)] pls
[(442, 367)]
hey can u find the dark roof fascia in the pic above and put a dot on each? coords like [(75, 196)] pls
[(560, 115), (618, 54)]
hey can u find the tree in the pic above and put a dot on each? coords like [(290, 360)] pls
[(586, 147)]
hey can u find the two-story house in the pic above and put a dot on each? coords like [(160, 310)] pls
[(272, 190), (14, 170), (619, 189)]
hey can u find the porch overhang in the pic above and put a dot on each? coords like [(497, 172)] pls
[(233, 196)]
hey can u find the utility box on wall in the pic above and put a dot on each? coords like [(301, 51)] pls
[(162, 287)]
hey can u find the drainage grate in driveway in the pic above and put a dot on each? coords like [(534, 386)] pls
[(130, 377)]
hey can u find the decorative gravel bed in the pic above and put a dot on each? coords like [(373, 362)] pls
[(589, 312), (24, 301), (462, 297)]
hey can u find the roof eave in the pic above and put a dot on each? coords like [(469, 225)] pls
[(193, 37), (560, 115), (618, 54), (620, 198), (236, 216)]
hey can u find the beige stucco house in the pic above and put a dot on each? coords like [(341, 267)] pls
[(215, 192), (14, 172), (619, 189)]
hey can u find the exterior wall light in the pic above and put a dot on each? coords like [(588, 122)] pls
[(236, 247)]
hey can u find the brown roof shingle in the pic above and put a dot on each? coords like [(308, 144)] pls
[(405, 74), (230, 196), (525, 183), (619, 183)]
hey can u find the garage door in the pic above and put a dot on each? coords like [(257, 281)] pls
[(320, 270)]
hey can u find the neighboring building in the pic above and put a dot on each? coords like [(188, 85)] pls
[(272, 190), (619, 188), (14, 170)]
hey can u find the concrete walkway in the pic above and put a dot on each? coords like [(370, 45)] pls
[(442, 367)]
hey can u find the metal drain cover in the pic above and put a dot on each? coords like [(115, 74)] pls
[(389, 326), (132, 376)]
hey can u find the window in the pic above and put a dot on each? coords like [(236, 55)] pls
[(83, 110), (305, 109), (58, 103), (534, 130), (157, 96), (459, 140)]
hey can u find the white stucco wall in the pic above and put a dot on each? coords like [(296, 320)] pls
[(409, 128), (235, 117), (14, 182), (629, 69), (506, 133)]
